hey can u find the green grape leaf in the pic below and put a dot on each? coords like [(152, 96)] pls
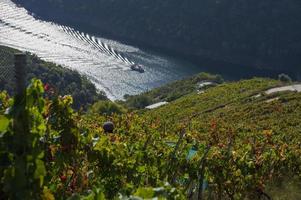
[(141, 169), (4, 122), (145, 192), (40, 171)]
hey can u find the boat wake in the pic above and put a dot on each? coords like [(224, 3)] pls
[(96, 43), (107, 63), (60, 44)]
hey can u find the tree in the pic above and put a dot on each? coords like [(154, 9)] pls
[(284, 78), (107, 108)]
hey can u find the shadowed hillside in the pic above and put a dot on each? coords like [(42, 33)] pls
[(59, 80), (222, 34)]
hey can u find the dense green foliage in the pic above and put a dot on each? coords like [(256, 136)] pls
[(226, 143), (107, 108), (235, 119), (171, 91), (258, 33), (137, 101), (59, 80)]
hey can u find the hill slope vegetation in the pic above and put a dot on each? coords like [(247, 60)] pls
[(60, 80), (226, 143)]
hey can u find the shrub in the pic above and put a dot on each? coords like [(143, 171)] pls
[(107, 108), (284, 78), (139, 101)]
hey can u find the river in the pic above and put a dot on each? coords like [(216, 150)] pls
[(105, 62)]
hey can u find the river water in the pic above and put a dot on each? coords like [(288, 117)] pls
[(105, 62)]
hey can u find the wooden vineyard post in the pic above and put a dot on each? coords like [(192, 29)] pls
[(20, 75)]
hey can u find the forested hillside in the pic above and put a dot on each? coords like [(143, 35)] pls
[(59, 80), (260, 33)]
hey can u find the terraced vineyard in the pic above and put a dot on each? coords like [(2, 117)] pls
[(226, 143)]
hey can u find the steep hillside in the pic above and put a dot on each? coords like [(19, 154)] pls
[(217, 97), (240, 123), (244, 101), (226, 143), (61, 80), (233, 116), (172, 91), (263, 34)]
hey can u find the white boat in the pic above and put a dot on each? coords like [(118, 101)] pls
[(138, 68)]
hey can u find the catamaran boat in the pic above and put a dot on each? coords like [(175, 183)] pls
[(138, 68)]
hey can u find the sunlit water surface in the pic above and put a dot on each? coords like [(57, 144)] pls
[(105, 62)]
